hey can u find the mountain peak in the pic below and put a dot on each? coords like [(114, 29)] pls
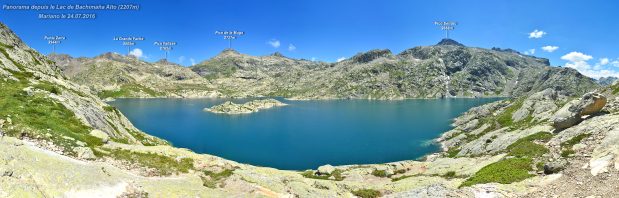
[(447, 41), (277, 54), (110, 55), (228, 52)]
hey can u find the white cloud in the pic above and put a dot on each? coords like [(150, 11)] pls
[(604, 61), (181, 59), (615, 63), (313, 58), (291, 47), (341, 59), (274, 43), (137, 52), (537, 34), (550, 48), (529, 52), (192, 61), (576, 57), (578, 61)]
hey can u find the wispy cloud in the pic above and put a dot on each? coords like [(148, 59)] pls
[(274, 43), (181, 59), (550, 48), (192, 61), (291, 47), (341, 59), (529, 52), (537, 34)]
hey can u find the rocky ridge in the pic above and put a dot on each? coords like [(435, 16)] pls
[(448, 69), (112, 75)]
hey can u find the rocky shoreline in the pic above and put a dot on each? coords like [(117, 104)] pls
[(253, 106)]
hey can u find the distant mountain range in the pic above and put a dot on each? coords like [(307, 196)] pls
[(605, 81), (448, 69)]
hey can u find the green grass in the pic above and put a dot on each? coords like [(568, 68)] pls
[(214, 179), (401, 178), (6, 54), (526, 147), (337, 174), (449, 175), (366, 193), (505, 172), (6, 46), (47, 87), (110, 109), (615, 89), (567, 152), (163, 164), (540, 165), (380, 173), (566, 147), (38, 115), (146, 140), (505, 118), (128, 90), (452, 152), (400, 171), (575, 140)]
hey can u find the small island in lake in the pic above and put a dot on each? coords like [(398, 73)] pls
[(248, 107)]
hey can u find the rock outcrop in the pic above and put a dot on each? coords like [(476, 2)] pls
[(573, 112), (248, 107)]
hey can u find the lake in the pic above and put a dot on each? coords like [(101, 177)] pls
[(304, 134)]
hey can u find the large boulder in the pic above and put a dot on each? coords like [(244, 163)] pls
[(84, 153), (101, 135), (591, 103), (326, 169), (554, 167), (572, 113), (566, 116)]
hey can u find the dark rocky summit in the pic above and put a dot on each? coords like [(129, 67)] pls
[(447, 41)]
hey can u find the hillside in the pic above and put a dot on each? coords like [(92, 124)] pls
[(114, 75), (448, 69)]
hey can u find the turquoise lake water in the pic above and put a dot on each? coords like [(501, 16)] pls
[(304, 134)]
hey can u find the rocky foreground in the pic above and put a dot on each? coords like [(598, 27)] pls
[(58, 139), (245, 108)]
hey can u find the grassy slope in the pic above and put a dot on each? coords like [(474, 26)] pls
[(28, 111)]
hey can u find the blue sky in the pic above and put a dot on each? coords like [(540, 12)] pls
[(583, 34)]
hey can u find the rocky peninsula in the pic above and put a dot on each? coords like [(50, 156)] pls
[(248, 107)]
